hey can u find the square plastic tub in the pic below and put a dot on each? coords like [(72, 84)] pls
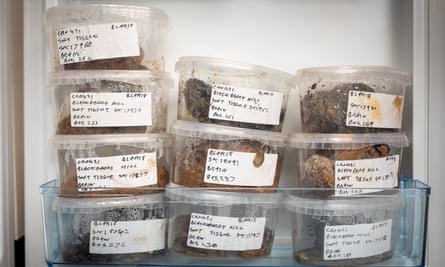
[(232, 93), (111, 230), (218, 224), (345, 231), (209, 155), (352, 99), (106, 36), (103, 102), (348, 163), (93, 165)]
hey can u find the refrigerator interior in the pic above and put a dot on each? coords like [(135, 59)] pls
[(281, 34), (6, 205)]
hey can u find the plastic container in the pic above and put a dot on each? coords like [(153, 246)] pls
[(111, 230), (232, 93), (93, 165), (216, 224), (105, 36), (348, 163), (103, 102), (344, 232), (209, 155), (352, 99)]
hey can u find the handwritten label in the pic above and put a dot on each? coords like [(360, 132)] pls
[(354, 176), (245, 105), (110, 109), (225, 233), (100, 41), (240, 168), (356, 241), (120, 237), (125, 171), (374, 110)]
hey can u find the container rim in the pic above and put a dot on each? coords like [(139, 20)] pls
[(77, 139), (81, 76), (343, 206), (66, 204), (220, 197), (222, 132), (115, 8), (355, 69), (346, 140), (204, 62)]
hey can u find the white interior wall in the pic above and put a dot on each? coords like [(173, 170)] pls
[(436, 130), (35, 140), (6, 211)]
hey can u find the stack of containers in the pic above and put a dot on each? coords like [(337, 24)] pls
[(228, 140), (112, 150), (349, 155)]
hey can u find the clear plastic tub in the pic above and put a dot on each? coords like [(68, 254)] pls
[(348, 163), (102, 102), (232, 93), (216, 224), (111, 230), (210, 155), (352, 99), (346, 231), (106, 36), (93, 165)]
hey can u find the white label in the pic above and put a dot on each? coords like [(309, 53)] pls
[(356, 241), (110, 109), (240, 168), (245, 105), (117, 171), (120, 237), (374, 110), (100, 41), (353, 176), (225, 233)]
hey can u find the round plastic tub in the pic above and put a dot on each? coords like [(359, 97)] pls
[(93, 165), (344, 232), (217, 224), (348, 163), (102, 102), (232, 93), (352, 99), (111, 230), (209, 155), (106, 36)]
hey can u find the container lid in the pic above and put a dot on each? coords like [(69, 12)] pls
[(70, 141), (221, 197), (82, 13), (225, 133), (139, 77), (209, 64), (345, 141), (96, 205), (343, 206), (378, 71)]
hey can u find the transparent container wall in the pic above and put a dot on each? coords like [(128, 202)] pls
[(408, 247)]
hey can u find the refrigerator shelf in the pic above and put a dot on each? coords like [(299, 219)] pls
[(408, 248), (278, 257)]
